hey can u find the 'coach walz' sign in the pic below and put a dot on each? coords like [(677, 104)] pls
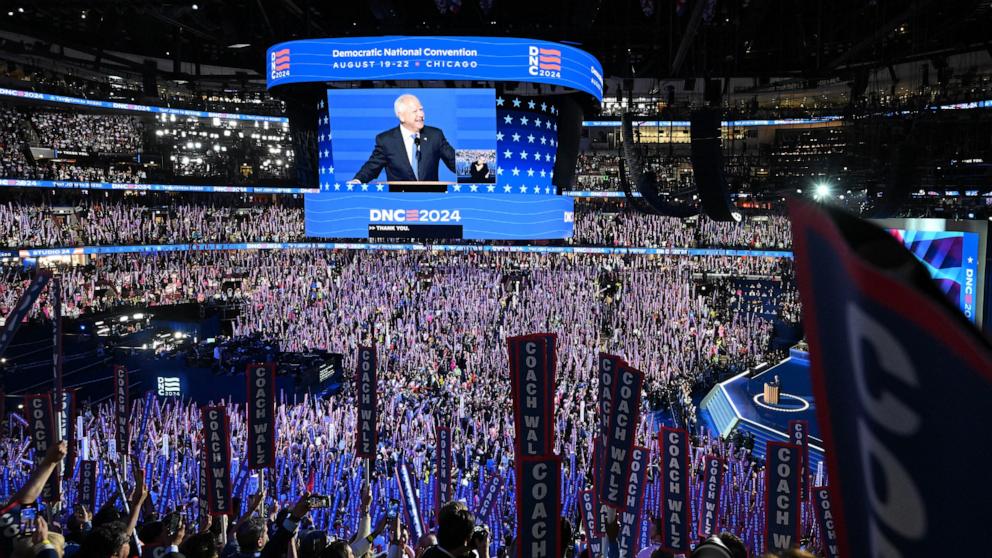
[(261, 386), (532, 383), (624, 418), (675, 511), (709, 511), (442, 455), (366, 384), (87, 483), (217, 446), (538, 507), (122, 413), (783, 496), (41, 425)]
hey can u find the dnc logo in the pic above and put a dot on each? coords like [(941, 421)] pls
[(280, 63), (544, 62), (169, 387)]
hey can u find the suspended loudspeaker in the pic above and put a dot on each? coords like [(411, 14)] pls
[(707, 165)]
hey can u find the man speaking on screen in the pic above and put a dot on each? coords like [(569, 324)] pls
[(409, 152)]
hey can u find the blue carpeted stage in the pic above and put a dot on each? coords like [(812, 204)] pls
[(738, 403)]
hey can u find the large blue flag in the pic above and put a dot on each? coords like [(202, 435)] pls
[(902, 382)]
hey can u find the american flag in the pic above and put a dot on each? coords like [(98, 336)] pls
[(325, 165), (526, 144)]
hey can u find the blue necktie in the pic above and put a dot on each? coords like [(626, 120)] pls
[(415, 156)]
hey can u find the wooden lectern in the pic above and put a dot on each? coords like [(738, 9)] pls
[(771, 393)]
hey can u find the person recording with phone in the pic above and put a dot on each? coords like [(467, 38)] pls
[(409, 152)]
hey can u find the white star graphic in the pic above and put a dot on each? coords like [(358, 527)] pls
[(530, 104), (351, 187), (544, 106), (516, 137), (499, 101), (499, 136), (327, 153), (320, 104), (327, 186), (516, 171), (537, 189), (506, 189), (547, 190), (323, 170), (499, 171), (473, 188), (379, 187), (327, 120), (330, 170), (547, 157), (555, 127), (538, 122), (971, 260), (337, 186), (365, 187), (320, 137), (507, 154), (524, 155), (547, 124), (530, 172), (524, 120), (516, 103), (508, 119), (543, 173), (530, 138), (523, 189), (457, 187), (544, 140), (491, 188)]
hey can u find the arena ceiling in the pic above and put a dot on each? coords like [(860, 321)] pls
[(804, 39)]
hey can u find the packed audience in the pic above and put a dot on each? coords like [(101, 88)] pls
[(94, 133), (440, 321), (92, 146), (42, 221)]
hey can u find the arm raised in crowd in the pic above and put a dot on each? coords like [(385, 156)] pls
[(32, 488)]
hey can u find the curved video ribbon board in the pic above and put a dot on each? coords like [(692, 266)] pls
[(434, 58)]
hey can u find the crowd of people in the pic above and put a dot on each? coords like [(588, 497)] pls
[(13, 163), (95, 133), (116, 220), (92, 146), (440, 321), (102, 222)]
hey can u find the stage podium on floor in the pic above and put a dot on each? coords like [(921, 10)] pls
[(423, 186), (771, 392)]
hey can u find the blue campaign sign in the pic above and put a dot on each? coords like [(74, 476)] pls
[(902, 383), (481, 216), (434, 58)]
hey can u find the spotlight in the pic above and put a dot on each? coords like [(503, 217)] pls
[(821, 191), (195, 7)]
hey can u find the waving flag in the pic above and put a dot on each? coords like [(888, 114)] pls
[(901, 379)]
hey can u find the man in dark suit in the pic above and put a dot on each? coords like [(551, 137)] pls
[(411, 151)]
